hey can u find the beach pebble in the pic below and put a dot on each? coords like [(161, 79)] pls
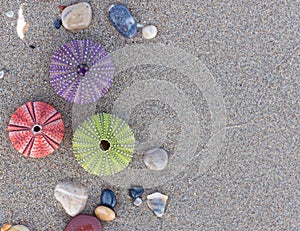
[(138, 201), (77, 16), (84, 223), (156, 159), (2, 73), (108, 198), (57, 23), (9, 14), (6, 227), (149, 32), (72, 196), (136, 192), (122, 20), (104, 213), (18, 228), (157, 203)]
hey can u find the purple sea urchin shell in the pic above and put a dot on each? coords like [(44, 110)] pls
[(81, 71)]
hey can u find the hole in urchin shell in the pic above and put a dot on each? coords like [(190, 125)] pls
[(37, 128), (82, 69), (104, 145)]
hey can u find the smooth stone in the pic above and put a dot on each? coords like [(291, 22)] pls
[(6, 227), (73, 197), (84, 223), (18, 228), (138, 201), (108, 198), (157, 203), (105, 213), (57, 23), (156, 159), (9, 14), (136, 192), (77, 16), (149, 32), (122, 20)]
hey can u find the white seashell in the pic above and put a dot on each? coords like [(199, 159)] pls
[(157, 203), (72, 196), (149, 32)]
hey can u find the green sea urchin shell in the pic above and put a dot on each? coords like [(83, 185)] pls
[(103, 144)]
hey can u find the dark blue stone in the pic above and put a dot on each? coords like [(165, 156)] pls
[(136, 192), (57, 23), (108, 198), (123, 21)]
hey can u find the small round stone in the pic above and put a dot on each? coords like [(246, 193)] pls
[(136, 192), (104, 213), (138, 201), (9, 14), (18, 228), (156, 159), (149, 32), (108, 198), (77, 16)]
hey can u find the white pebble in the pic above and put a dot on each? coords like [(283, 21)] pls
[(9, 14), (138, 201), (2, 73), (149, 32)]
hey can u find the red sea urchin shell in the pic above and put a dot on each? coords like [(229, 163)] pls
[(36, 129)]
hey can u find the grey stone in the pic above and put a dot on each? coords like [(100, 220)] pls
[(156, 159)]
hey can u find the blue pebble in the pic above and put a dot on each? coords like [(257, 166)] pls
[(122, 20), (136, 192), (108, 198), (57, 23)]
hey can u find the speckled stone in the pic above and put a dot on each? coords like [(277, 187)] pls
[(18, 228), (156, 159), (149, 32), (104, 213), (72, 196), (84, 222), (77, 16)]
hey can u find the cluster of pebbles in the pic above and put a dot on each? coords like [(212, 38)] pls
[(71, 195)]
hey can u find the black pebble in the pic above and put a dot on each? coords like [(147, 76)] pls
[(32, 46), (136, 192), (108, 198), (57, 23)]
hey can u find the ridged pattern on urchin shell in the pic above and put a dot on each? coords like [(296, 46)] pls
[(21, 129), (87, 139), (91, 84)]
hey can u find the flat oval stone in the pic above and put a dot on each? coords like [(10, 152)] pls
[(104, 213), (73, 197), (108, 198), (156, 159), (136, 192), (6, 227), (122, 20), (77, 16), (18, 228), (149, 32), (84, 223)]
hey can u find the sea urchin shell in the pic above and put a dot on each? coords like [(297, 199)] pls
[(36, 129), (81, 71), (103, 144)]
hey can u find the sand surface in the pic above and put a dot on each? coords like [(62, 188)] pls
[(218, 88)]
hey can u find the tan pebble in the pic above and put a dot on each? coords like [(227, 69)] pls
[(77, 16), (18, 228), (6, 227), (149, 32), (104, 213)]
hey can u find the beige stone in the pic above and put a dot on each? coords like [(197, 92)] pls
[(73, 197), (77, 16), (104, 213), (19, 228), (6, 227)]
